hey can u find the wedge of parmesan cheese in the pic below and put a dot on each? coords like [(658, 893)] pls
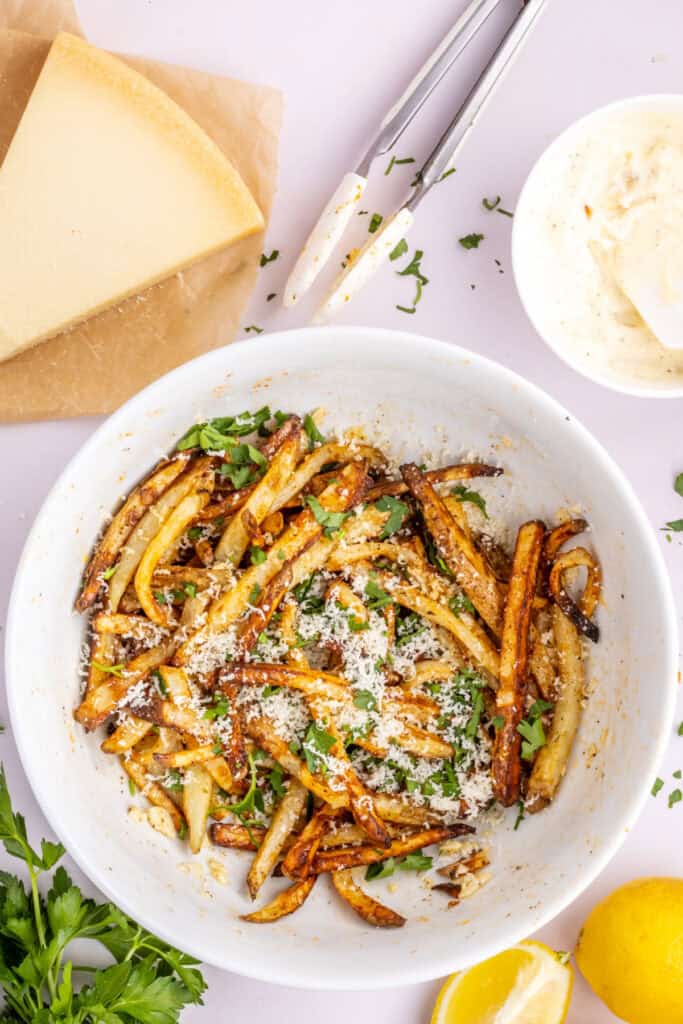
[(107, 187)]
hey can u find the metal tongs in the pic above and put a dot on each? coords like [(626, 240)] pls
[(335, 217)]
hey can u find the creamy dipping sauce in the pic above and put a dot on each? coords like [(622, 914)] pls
[(613, 178)]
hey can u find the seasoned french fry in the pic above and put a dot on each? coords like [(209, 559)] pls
[(286, 902), (446, 474), (237, 837), (579, 614), (122, 525), (131, 730), (299, 859), (506, 765), (551, 760), (235, 538), (286, 816), (365, 906), (97, 705), (339, 860), (197, 789), (173, 527), (152, 790)]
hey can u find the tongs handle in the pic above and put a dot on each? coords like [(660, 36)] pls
[(324, 237)]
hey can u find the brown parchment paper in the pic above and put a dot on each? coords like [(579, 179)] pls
[(97, 365)]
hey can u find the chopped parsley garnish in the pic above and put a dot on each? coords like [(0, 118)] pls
[(414, 269), (461, 603), (195, 533), (656, 786), (268, 690), (417, 861), (473, 722), (314, 435), (365, 700), (378, 598), (394, 163), (160, 597), (317, 744), (265, 260), (408, 627), (310, 603), (494, 204), (473, 497), (357, 625), (257, 556), (375, 222), (219, 434), (276, 779), (520, 815), (678, 484), (173, 780), (398, 512), (676, 526), (680, 729), (471, 241), (254, 594), (447, 174), (219, 707), (132, 788), (331, 522), (108, 573), (400, 249), (678, 774), (539, 707), (253, 328), (675, 797), (159, 682), (112, 670), (531, 730), (498, 722)]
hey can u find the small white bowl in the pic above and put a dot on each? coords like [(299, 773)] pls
[(420, 395), (534, 256)]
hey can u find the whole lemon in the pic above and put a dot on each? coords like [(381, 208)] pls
[(630, 951)]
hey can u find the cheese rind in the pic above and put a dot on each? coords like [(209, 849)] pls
[(107, 187)]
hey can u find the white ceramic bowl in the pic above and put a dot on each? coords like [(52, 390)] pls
[(541, 281), (422, 392)]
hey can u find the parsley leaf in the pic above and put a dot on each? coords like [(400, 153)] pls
[(394, 163), (365, 700), (400, 249), (533, 735), (314, 435), (330, 521), (265, 260), (398, 512), (461, 603), (218, 708), (471, 241), (219, 434), (317, 743), (473, 497), (680, 729), (678, 484), (656, 786), (411, 862), (675, 797), (414, 269), (257, 556), (108, 573), (417, 861), (276, 780), (378, 598), (112, 670), (382, 869), (676, 526), (375, 222)]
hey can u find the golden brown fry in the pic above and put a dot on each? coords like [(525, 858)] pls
[(237, 837), (235, 538), (146, 530), (342, 593), (170, 531), (131, 730), (284, 821), (559, 536), (467, 564), (513, 661), (446, 474), (296, 657), (579, 614), (365, 906), (339, 860), (152, 790), (101, 657), (318, 458), (551, 760), (542, 657), (286, 902), (197, 790), (232, 738), (97, 705), (299, 859), (134, 626), (186, 757), (123, 523)]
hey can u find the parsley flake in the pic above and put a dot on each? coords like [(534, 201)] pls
[(398, 512), (330, 521), (471, 241), (473, 497)]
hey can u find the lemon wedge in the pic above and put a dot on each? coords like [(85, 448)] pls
[(528, 984)]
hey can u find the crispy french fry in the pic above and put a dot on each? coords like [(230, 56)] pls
[(446, 474), (467, 564), (146, 529), (197, 789), (543, 657), (327, 453), (339, 860), (506, 765), (123, 523), (558, 537), (237, 837), (173, 528), (97, 705), (579, 614), (101, 657), (284, 821), (235, 538), (134, 626), (186, 757), (286, 902), (299, 858), (365, 906), (131, 730), (551, 760)]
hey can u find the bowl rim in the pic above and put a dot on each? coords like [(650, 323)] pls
[(524, 290), (295, 972)]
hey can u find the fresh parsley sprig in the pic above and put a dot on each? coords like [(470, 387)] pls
[(149, 982)]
